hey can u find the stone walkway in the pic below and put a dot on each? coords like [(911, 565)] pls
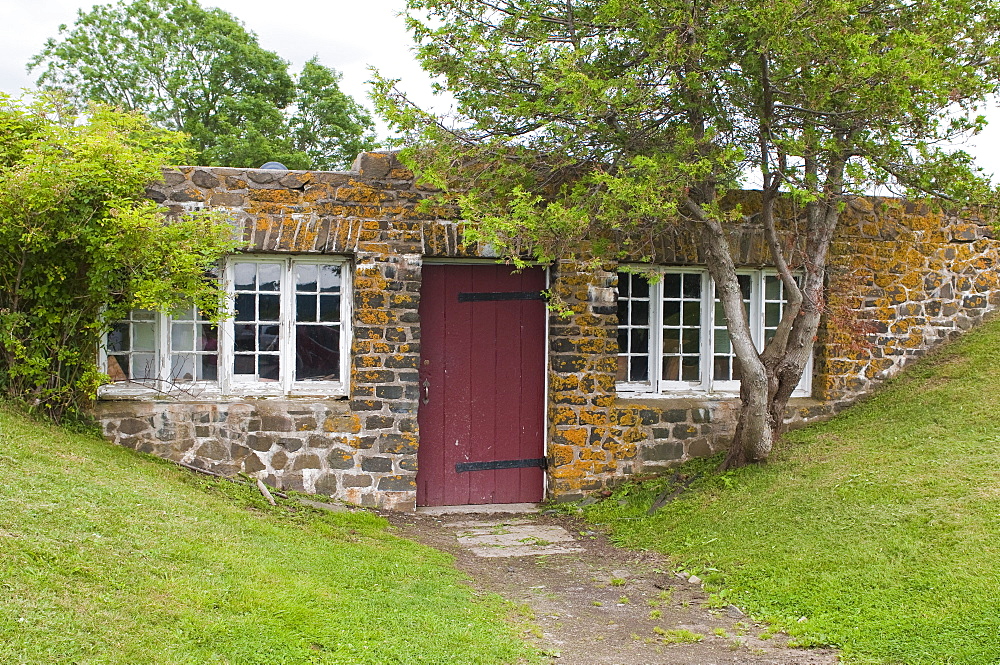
[(590, 603)]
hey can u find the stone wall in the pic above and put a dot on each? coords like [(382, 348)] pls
[(910, 279), (361, 449), (902, 281)]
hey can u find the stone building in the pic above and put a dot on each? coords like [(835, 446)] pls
[(376, 358)]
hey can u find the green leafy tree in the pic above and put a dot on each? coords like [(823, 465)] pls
[(599, 123), (200, 71), (80, 245), (328, 125)]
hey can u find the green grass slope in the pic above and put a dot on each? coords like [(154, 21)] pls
[(110, 557), (877, 532)]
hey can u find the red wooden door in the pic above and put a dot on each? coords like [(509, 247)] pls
[(482, 385)]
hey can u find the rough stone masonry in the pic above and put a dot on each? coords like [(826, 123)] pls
[(903, 280)]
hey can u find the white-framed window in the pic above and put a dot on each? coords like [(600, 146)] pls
[(672, 335), (288, 333)]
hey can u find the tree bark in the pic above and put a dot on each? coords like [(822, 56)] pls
[(755, 430)]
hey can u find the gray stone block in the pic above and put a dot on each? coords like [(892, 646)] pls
[(397, 483), (376, 464), (355, 480), (326, 484), (667, 451), (306, 461), (252, 464)]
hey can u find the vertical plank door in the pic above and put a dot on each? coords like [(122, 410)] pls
[(482, 385)]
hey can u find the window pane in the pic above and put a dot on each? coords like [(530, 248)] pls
[(182, 337), (269, 276), (243, 364), (622, 373), (691, 341), (144, 336), (690, 369), (246, 307), (182, 367), (640, 286), (772, 314), (671, 285), (245, 277), (671, 368), (671, 313), (209, 368), (623, 340), (208, 337), (639, 369), (744, 281), (721, 368), (772, 288), (317, 353), (243, 338), (268, 338), (671, 341), (118, 338), (722, 344), (692, 314), (329, 308), (143, 366), (118, 367), (270, 307), (640, 341), (305, 278), (639, 313), (692, 285), (305, 308), (329, 278), (268, 367)]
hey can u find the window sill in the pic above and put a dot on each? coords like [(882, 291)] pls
[(208, 393), (679, 398)]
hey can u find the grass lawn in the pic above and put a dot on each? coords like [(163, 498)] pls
[(877, 532), (107, 556)]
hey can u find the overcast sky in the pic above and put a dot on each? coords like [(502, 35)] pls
[(347, 35)]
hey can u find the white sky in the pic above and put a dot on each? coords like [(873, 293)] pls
[(346, 35)]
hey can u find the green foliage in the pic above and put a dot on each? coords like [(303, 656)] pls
[(200, 71), (328, 125), (111, 557), (590, 126), (875, 532), (618, 118), (80, 245)]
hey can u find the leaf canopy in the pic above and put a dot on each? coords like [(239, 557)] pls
[(202, 72)]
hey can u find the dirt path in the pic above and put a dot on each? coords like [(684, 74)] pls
[(595, 604)]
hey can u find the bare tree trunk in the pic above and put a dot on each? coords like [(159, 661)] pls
[(755, 430)]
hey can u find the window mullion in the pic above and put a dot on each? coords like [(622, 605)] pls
[(708, 332), (346, 322), (286, 328), (756, 312), (226, 332), (656, 335), (163, 340)]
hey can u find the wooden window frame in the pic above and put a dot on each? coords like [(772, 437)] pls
[(227, 383), (707, 384)]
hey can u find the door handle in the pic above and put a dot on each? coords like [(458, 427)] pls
[(426, 386)]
